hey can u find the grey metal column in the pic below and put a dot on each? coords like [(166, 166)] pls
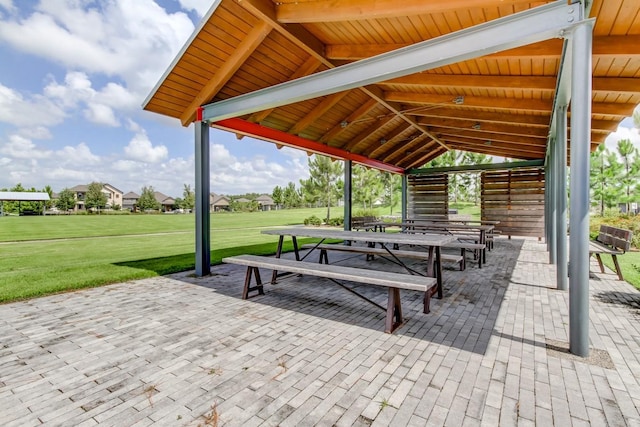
[(405, 186), (552, 202), (348, 167), (579, 212), (203, 226), (560, 149), (546, 202)]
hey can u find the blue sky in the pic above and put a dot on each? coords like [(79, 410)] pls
[(73, 77)]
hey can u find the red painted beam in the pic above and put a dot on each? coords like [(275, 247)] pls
[(278, 137)]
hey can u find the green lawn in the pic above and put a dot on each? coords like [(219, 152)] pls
[(43, 255)]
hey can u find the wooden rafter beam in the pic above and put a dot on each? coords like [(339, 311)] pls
[(362, 136), (362, 111), (600, 84), (445, 133), (308, 67), (603, 47), (227, 70), (390, 138), (426, 158), (506, 129), (351, 10), (325, 105), (470, 101), (482, 116), (494, 151), (424, 151), (411, 146)]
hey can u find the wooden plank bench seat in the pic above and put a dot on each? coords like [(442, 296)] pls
[(393, 281), (612, 241), (465, 245), (323, 248)]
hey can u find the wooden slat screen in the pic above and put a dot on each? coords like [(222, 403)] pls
[(516, 199), (427, 195)]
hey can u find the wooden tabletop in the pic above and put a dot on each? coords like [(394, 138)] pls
[(425, 239)]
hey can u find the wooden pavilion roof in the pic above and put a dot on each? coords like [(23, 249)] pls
[(499, 104)]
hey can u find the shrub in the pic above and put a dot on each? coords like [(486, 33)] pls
[(312, 220), (336, 221)]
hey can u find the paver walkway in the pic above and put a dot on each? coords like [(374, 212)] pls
[(188, 351)]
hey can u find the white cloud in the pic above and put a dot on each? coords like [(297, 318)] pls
[(19, 147), (17, 110), (35, 132), (101, 114), (631, 134), (141, 149), (79, 155), (135, 40)]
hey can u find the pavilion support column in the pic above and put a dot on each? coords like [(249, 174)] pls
[(546, 202), (348, 192), (203, 225), (560, 149), (404, 195), (579, 213), (553, 181)]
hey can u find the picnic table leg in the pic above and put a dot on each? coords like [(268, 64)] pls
[(439, 272), (483, 239), (274, 275), (247, 283), (394, 311)]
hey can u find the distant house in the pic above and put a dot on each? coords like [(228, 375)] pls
[(266, 202), (166, 203), (218, 203), (114, 196), (130, 201)]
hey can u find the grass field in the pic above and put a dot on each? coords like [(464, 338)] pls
[(42, 255)]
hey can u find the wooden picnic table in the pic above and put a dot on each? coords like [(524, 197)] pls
[(433, 243), (452, 229)]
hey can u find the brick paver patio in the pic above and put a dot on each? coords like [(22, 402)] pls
[(180, 351)]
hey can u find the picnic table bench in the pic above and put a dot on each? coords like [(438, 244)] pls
[(613, 241), (388, 254), (393, 281)]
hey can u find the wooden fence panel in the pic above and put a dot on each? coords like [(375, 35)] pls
[(516, 199), (427, 195)]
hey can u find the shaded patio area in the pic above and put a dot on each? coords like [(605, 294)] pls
[(181, 350)]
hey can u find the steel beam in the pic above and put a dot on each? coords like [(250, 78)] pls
[(579, 212), (533, 25), (403, 197), (203, 226), (552, 177)]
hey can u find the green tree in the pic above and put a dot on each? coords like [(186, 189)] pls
[(189, 198), (277, 196), (324, 174), (147, 200), (598, 177), (630, 171), (292, 198), (95, 198), (392, 184), (66, 200), (48, 203), (449, 159), (471, 181), (367, 186)]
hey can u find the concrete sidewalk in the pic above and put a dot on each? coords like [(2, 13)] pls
[(180, 351)]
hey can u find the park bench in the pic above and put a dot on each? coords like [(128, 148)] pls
[(370, 252), (392, 281), (613, 241), (362, 222)]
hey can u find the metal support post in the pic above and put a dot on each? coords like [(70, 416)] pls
[(553, 181), (348, 168), (403, 201), (560, 149), (579, 212), (203, 226)]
